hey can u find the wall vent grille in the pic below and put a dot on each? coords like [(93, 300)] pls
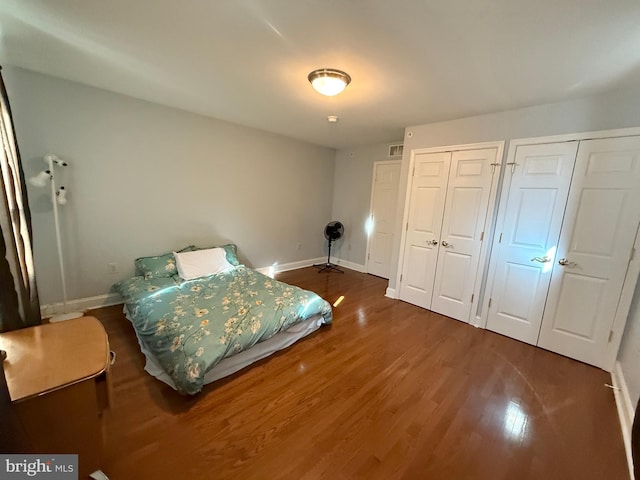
[(396, 150)]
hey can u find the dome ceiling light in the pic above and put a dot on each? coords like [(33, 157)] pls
[(329, 81)]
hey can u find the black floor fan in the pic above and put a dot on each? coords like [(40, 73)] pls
[(333, 231)]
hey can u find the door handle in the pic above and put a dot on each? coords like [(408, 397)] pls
[(544, 259), (565, 262), (432, 242), (446, 244)]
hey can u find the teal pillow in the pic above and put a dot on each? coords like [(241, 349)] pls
[(160, 265), (230, 252)]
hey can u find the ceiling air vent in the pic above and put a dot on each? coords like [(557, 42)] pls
[(396, 150)]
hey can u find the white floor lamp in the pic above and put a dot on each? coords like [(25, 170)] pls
[(58, 197)]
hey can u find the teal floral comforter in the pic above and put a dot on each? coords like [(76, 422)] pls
[(191, 325)]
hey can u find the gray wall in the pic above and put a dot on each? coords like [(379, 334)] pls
[(146, 179), (352, 197)]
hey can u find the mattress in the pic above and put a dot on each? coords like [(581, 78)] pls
[(188, 327), (230, 365)]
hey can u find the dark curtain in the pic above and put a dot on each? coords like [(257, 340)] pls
[(19, 305)]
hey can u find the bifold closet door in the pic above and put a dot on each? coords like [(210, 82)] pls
[(599, 230), (424, 226), (468, 193), (450, 194), (534, 196)]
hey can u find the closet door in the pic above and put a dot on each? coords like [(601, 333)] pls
[(535, 190), (384, 200), (428, 194), (599, 230), (470, 180)]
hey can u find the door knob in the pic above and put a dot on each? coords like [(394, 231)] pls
[(446, 244), (563, 261), (544, 259), (432, 242)]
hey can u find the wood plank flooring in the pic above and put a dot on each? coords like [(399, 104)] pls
[(389, 391)]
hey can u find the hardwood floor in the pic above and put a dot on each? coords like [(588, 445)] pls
[(389, 391)]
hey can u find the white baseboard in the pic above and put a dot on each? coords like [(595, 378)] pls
[(275, 268), (106, 300), (284, 267), (350, 265), (475, 321), (626, 411), (81, 304), (391, 293)]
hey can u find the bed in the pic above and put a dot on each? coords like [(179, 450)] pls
[(200, 315)]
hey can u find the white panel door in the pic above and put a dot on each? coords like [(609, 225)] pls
[(426, 207), (600, 225), (535, 191), (470, 180), (384, 200)]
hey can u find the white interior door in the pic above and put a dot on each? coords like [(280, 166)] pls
[(535, 190), (424, 225), (384, 200), (601, 221), (470, 180)]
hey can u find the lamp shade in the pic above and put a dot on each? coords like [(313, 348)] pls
[(328, 81), (41, 179), (62, 196)]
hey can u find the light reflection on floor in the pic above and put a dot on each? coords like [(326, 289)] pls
[(362, 318), (516, 423)]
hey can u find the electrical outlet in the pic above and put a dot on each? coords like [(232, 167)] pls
[(112, 267)]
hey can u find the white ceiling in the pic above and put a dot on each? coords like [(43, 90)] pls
[(412, 61)]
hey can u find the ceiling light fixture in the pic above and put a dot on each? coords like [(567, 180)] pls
[(329, 81)]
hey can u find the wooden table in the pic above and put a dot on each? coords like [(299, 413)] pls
[(58, 380)]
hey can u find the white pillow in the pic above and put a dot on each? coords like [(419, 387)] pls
[(201, 263)]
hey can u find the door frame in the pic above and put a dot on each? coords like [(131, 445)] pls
[(373, 186), (489, 222), (633, 269)]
